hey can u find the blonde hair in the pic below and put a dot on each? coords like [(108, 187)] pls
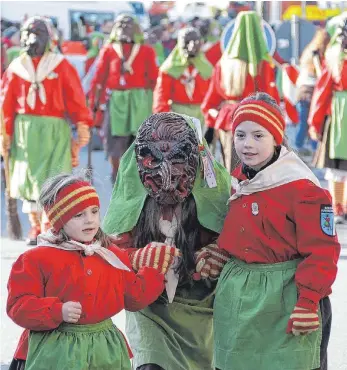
[(48, 196), (319, 42), (233, 75)]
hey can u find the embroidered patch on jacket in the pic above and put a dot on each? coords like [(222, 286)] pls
[(327, 223), (52, 75)]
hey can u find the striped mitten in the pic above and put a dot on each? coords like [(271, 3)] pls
[(210, 261), (156, 255), (303, 321)]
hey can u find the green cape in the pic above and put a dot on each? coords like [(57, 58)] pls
[(176, 63), (248, 42), (129, 195)]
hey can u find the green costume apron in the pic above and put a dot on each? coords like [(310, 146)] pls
[(193, 110), (41, 148), (251, 311), (338, 128), (128, 109), (176, 336), (98, 346)]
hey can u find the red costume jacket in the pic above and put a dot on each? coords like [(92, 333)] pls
[(64, 95), (108, 70), (216, 96), (43, 278), (171, 89), (322, 96), (288, 226)]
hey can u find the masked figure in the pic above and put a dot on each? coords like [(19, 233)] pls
[(96, 40), (39, 89), (184, 77), (154, 38), (330, 98), (210, 31), (125, 76), (170, 190), (244, 68)]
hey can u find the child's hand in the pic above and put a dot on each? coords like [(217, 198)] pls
[(72, 312), (157, 255), (210, 261), (302, 321)]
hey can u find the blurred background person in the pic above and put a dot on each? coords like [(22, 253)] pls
[(184, 77), (310, 67), (330, 98)]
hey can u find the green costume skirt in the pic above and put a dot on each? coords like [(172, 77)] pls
[(338, 126), (41, 148), (251, 312), (98, 346), (176, 336), (192, 110), (128, 109)]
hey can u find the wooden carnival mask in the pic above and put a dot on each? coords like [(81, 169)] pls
[(167, 157)]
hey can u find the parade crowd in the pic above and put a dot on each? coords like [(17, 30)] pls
[(220, 264)]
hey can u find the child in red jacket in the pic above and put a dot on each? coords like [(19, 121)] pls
[(65, 291), (272, 309)]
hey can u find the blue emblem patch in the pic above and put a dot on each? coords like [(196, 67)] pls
[(327, 222)]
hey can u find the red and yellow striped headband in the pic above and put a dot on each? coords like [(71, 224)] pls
[(262, 113), (70, 201)]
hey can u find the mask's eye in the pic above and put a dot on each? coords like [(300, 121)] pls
[(144, 152)]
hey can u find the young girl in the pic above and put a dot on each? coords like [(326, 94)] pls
[(66, 290), (272, 309)]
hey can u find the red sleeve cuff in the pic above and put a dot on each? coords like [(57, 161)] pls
[(309, 299), (57, 312)]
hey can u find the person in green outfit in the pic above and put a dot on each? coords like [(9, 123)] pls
[(169, 189), (122, 87), (184, 77), (153, 38), (272, 309), (40, 90), (96, 40)]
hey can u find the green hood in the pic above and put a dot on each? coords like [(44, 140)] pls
[(248, 42), (129, 195), (176, 63)]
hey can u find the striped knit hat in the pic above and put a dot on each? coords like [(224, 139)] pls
[(262, 113), (71, 200)]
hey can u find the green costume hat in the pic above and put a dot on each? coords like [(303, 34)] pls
[(94, 49), (332, 23), (176, 63), (212, 36), (333, 29), (139, 37), (248, 42), (129, 194)]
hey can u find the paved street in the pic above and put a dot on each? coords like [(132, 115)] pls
[(10, 250)]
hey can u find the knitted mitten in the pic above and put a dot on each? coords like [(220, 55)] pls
[(210, 261), (303, 321), (157, 255)]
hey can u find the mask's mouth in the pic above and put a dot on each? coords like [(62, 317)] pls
[(176, 192)]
